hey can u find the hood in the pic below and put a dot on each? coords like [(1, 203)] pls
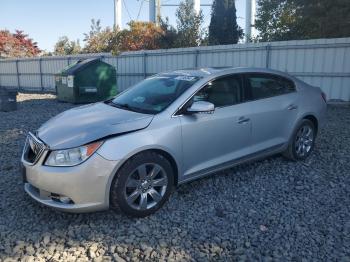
[(84, 124)]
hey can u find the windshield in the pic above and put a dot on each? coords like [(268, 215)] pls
[(154, 94)]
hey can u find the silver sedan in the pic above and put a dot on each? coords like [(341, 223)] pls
[(129, 153)]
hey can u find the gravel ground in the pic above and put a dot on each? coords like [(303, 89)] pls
[(268, 210)]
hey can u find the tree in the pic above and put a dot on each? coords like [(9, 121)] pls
[(66, 47), (17, 44), (188, 25), (323, 18), (140, 36), (95, 28), (223, 28), (106, 40), (100, 40), (169, 35), (279, 20)]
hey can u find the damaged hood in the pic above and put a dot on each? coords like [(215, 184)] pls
[(84, 124)]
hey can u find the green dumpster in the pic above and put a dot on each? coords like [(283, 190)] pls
[(86, 81)]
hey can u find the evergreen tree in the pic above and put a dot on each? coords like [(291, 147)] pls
[(169, 34), (188, 25), (280, 20), (223, 28)]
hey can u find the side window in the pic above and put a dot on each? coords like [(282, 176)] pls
[(221, 92), (264, 85)]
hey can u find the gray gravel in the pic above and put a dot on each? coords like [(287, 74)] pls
[(269, 210)]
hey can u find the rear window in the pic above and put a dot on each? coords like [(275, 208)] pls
[(264, 85)]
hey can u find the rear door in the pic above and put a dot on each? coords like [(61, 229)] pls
[(211, 140), (274, 105)]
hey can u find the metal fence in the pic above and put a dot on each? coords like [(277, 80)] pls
[(320, 62)]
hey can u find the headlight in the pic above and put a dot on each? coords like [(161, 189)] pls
[(72, 156)]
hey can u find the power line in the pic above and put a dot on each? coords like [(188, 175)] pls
[(138, 14), (127, 10), (174, 4)]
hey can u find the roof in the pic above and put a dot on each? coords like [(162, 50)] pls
[(211, 71), (201, 72)]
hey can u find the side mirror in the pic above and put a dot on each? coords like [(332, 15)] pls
[(201, 107)]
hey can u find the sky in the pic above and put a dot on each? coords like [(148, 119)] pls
[(46, 20)]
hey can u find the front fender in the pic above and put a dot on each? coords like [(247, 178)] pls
[(165, 137)]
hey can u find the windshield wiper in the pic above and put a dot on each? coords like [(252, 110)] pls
[(118, 105), (129, 107), (124, 106)]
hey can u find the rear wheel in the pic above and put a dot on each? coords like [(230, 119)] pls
[(142, 185), (302, 142)]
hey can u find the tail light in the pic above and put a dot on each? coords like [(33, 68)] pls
[(324, 97)]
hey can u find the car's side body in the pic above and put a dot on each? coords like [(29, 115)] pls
[(188, 145), (195, 144)]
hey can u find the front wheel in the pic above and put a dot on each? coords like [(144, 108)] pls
[(142, 185), (302, 142)]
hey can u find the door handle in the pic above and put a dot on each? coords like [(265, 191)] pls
[(243, 120), (292, 107)]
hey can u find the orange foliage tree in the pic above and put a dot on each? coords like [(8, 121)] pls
[(140, 36), (17, 44)]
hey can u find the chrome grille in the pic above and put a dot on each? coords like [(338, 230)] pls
[(33, 149)]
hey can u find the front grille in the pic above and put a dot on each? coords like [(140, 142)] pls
[(33, 149)]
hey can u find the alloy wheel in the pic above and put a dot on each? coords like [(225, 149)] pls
[(146, 186), (304, 140)]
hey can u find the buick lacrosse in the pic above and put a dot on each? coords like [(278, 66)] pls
[(130, 152)]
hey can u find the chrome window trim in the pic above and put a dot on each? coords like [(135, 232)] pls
[(244, 76)]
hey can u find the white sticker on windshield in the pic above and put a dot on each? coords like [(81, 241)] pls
[(157, 77), (185, 78), (139, 99)]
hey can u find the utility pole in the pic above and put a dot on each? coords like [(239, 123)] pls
[(155, 12), (249, 19), (158, 15), (118, 14), (152, 11), (197, 6)]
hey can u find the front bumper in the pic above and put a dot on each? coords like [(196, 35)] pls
[(86, 185)]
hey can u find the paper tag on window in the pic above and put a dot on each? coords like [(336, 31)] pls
[(185, 78), (139, 99)]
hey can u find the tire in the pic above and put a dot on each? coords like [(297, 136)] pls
[(295, 151), (142, 185)]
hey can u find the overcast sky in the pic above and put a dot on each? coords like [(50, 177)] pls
[(46, 20)]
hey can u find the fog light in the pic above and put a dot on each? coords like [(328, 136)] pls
[(65, 200), (61, 199)]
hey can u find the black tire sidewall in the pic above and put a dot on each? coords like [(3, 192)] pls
[(118, 185), (304, 122)]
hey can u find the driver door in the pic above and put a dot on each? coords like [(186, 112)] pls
[(212, 140)]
